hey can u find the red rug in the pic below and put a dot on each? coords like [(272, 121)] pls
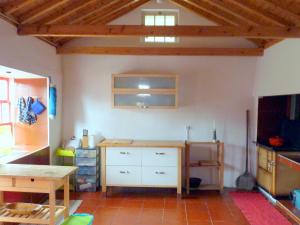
[(257, 209)]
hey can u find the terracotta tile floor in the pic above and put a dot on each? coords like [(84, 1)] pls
[(160, 208)]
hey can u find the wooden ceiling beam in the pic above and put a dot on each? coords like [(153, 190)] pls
[(12, 6), (9, 19), (66, 11), (36, 13), (110, 15), (222, 10), (213, 18), (243, 9), (107, 11), (162, 51), (204, 13), (289, 5), (140, 30), (261, 13), (280, 9), (98, 7)]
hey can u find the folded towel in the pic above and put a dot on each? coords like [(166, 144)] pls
[(37, 107), (21, 109), (79, 219), (28, 116), (52, 102)]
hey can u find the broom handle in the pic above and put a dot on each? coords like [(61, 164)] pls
[(247, 139)]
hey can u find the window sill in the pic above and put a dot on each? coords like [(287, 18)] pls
[(8, 155)]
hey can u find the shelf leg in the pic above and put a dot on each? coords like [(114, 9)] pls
[(187, 168), (221, 169), (66, 196), (1, 201), (179, 178), (52, 203)]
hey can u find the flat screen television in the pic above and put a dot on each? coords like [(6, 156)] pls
[(279, 116)]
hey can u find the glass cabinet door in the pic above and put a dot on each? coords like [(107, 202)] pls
[(144, 91), (144, 100), (145, 82)]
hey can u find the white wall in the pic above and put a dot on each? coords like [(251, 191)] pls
[(32, 55), (278, 73), (211, 88)]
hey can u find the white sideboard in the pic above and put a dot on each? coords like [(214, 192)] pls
[(141, 164)]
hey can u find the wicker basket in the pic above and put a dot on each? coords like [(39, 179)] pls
[(23, 208)]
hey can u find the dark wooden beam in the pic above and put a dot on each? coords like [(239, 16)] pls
[(162, 51), (14, 5), (140, 30), (36, 13)]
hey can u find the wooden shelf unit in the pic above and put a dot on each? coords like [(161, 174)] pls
[(218, 163)]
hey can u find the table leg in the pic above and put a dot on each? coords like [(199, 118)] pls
[(103, 170), (52, 203), (66, 196)]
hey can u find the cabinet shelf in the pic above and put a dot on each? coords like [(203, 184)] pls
[(207, 187), (41, 217), (205, 163)]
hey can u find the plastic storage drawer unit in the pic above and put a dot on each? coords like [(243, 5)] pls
[(86, 161), (88, 173), (86, 153), (87, 170)]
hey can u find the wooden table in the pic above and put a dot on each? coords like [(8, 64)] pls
[(36, 179)]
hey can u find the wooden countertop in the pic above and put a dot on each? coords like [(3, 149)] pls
[(14, 153), (43, 172), (141, 143)]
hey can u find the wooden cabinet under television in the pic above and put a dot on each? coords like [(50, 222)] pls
[(144, 90), (274, 177)]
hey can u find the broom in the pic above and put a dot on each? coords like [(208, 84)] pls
[(246, 181)]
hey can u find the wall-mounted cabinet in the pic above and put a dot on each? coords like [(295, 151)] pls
[(144, 90)]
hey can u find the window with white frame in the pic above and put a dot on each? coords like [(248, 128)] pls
[(5, 113), (160, 18)]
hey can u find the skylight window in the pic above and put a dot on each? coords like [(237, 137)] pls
[(160, 19)]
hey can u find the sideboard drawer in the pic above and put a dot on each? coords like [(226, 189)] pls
[(159, 157), (123, 175), (116, 156), (6, 182), (159, 176)]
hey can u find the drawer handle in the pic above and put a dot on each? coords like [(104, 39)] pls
[(32, 179), (160, 153), (157, 172), (124, 153), (123, 172)]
